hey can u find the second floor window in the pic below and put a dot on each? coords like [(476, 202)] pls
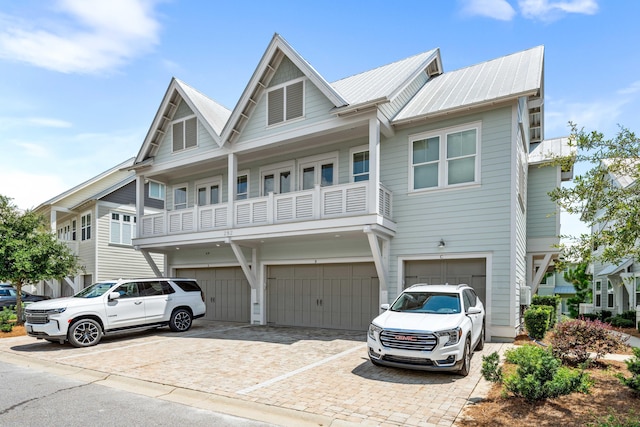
[(156, 190), (180, 197), (123, 228), (242, 187), (598, 293), (360, 166), (208, 194), (85, 227), (444, 158), (185, 134), (610, 295)]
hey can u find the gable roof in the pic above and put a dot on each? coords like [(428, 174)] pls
[(108, 173), (211, 115), (277, 49), (383, 83), (508, 77)]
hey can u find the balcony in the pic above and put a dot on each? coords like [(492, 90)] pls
[(319, 203)]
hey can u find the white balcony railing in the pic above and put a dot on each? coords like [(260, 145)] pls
[(318, 203)]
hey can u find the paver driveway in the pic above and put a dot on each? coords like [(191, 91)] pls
[(302, 371)]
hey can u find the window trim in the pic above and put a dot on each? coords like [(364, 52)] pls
[(85, 226), (284, 110), (161, 186), (276, 169), (173, 195), (184, 120), (597, 292), (352, 152), (238, 175), (133, 224), (443, 161), (317, 162), (610, 294), (208, 183)]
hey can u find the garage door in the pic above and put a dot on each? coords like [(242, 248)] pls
[(336, 296), (226, 290), (453, 271)]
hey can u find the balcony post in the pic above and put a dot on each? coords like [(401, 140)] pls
[(139, 203), (232, 188), (374, 165)]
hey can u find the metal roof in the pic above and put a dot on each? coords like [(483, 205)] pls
[(215, 114), (612, 269), (502, 78), (551, 149), (383, 81)]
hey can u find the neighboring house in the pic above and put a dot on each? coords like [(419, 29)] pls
[(555, 284), (616, 287), (311, 203), (97, 220)]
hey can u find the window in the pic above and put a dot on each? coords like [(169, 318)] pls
[(277, 179), (180, 197), (208, 193), (242, 187), (156, 190), (185, 134), (360, 166), (598, 293), (610, 294), (73, 230), (285, 102), (85, 227), (123, 228), (444, 159), (637, 291), (318, 171)]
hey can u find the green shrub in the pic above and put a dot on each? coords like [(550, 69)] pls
[(536, 321), (539, 375), (590, 316), (633, 365), (6, 315), (491, 370), (552, 301), (621, 322), (629, 314), (573, 340)]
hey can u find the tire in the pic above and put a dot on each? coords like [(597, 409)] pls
[(480, 344), (85, 333), (181, 320), (466, 358)]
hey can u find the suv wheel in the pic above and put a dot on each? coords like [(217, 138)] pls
[(85, 333), (180, 320), (466, 359)]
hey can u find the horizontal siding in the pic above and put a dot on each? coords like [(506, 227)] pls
[(473, 219), (542, 216), (119, 261)]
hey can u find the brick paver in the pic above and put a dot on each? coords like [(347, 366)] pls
[(314, 371)]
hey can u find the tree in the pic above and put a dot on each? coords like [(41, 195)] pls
[(29, 252), (606, 197), (581, 282)]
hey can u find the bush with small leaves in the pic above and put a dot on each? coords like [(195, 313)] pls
[(491, 370), (575, 340), (633, 365), (539, 375), (6, 325), (536, 321), (552, 301)]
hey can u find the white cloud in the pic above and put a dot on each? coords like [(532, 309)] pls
[(100, 36), (29, 190), (496, 9), (48, 122), (35, 150), (631, 89), (549, 10)]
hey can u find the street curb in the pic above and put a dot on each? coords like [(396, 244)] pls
[(197, 399)]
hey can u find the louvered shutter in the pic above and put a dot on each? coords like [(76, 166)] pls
[(178, 136), (275, 100), (191, 132), (295, 100)]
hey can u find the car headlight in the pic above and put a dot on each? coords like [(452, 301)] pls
[(56, 310), (453, 335), (373, 330)]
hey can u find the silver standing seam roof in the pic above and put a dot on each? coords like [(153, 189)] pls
[(502, 78), (214, 113)]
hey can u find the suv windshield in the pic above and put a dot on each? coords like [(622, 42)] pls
[(95, 290), (427, 302)]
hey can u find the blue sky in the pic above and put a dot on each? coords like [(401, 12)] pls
[(82, 80)]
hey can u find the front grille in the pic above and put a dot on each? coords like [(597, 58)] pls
[(37, 318), (408, 360), (418, 341)]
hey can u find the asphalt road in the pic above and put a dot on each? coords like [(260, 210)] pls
[(35, 398)]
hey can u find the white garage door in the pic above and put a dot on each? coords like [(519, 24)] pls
[(226, 290), (453, 271), (335, 296)]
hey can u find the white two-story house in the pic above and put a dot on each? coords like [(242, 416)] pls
[(311, 203), (97, 219)]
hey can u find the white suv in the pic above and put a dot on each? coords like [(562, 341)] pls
[(429, 327), (116, 306)]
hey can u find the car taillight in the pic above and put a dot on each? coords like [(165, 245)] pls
[(202, 295)]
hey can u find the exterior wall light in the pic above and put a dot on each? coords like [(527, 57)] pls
[(441, 244)]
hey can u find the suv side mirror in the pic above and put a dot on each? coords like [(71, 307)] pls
[(384, 307), (114, 295), (474, 310)]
